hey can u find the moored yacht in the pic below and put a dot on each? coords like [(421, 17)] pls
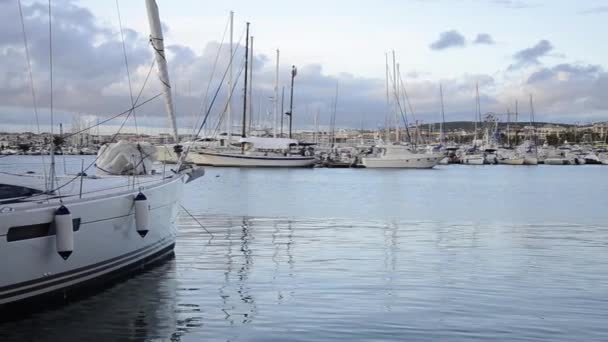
[(258, 152), (399, 156), (65, 235)]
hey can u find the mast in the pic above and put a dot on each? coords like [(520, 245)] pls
[(243, 133), (282, 108), (251, 84), (387, 127), (396, 90), (276, 97), (294, 72), (441, 134), (333, 119), (230, 79), (477, 112), (156, 40), (508, 127), (533, 124), (52, 147)]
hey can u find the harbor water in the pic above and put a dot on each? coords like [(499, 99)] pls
[(456, 253)]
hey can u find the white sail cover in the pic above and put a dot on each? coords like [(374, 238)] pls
[(156, 40), (269, 143), (125, 158)]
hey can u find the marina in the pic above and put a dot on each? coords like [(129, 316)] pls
[(162, 180), (395, 254)]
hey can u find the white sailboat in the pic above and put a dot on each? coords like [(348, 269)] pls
[(257, 151), (61, 236)]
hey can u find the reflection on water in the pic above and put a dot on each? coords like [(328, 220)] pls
[(262, 278), (308, 255)]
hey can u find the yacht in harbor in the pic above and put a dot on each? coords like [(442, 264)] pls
[(400, 156), (258, 152), (63, 235)]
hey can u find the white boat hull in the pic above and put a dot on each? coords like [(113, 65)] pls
[(244, 160), (557, 161), (511, 161), (415, 162), (530, 161), (473, 160), (106, 243)]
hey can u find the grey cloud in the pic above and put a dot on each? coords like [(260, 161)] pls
[(570, 88), (531, 56), (90, 78), (484, 39), (447, 40), (87, 57)]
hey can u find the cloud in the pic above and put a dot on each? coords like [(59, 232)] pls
[(90, 78), (569, 88), (531, 56), (484, 39), (448, 39), (595, 10)]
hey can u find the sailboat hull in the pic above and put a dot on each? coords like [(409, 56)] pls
[(473, 160), (106, 245), (530, 161), (418, 162), (244, 160), (511, 161)]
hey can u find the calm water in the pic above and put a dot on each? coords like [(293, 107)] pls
[(456, 253)]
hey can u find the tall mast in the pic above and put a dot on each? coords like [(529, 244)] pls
[(243, 133), (294, 72), (508, 127), (276, 97), (333, 119), (156, 40), (477, 112), (229, 109), (251, 84), (282, 109), (441, 134), (396, 90), (52, 147), (387, 127), (533, 124)]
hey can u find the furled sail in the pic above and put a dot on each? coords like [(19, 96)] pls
[(156, 40)]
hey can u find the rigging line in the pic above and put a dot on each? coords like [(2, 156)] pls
[(115, 116), (124, 51), (238, 76), (196, 220), (202, 108), (221, 116), (403, 115), (205, 98), (29, 68), (118, 131), (407, 99), (52, 142), (214, 99)]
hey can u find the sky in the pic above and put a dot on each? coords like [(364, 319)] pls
[(512, 48)]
